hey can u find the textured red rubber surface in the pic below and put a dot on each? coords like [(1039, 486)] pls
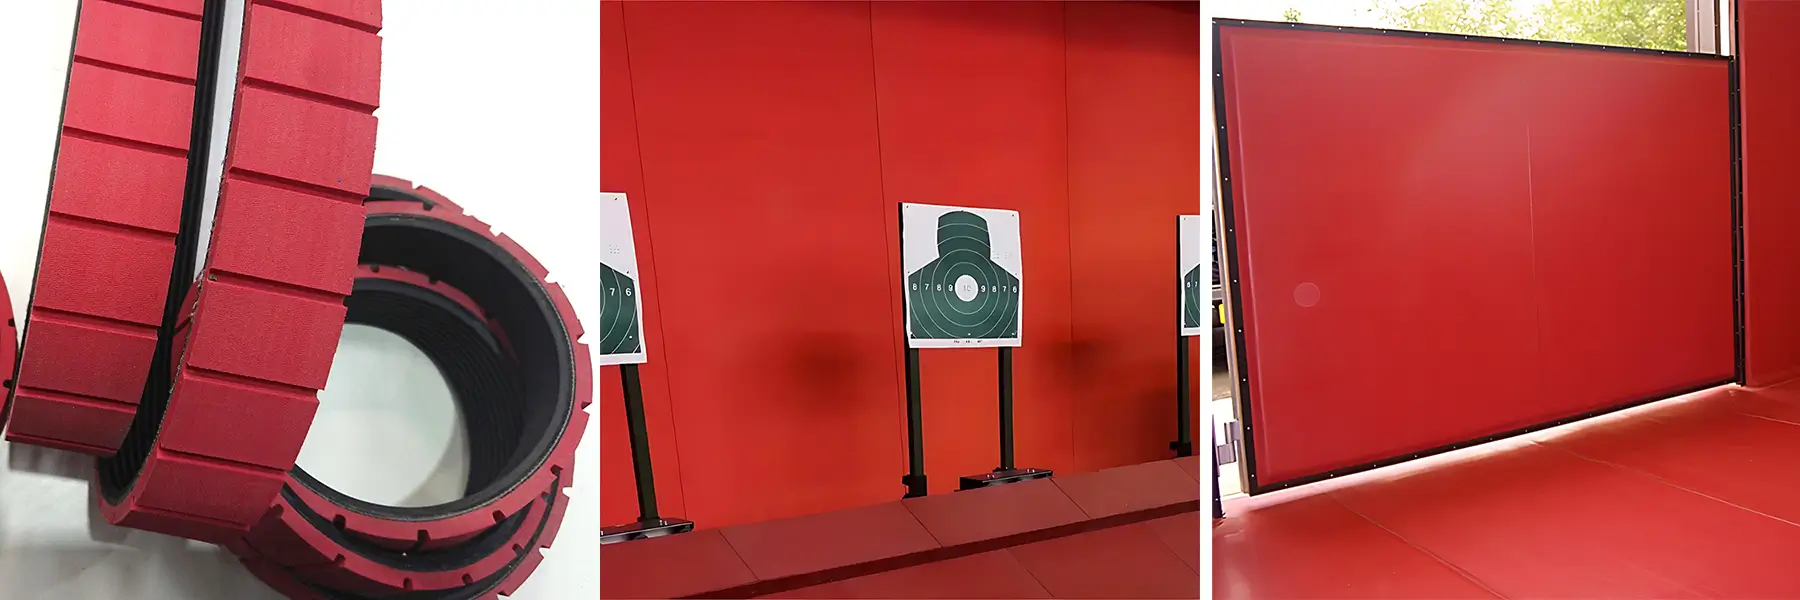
[(258, 342), (288, 539), (1767, 54), (561, 461), (329, 565), (109, 233), (1688, 499)]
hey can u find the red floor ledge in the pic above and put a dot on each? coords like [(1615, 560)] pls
[(779, 556)]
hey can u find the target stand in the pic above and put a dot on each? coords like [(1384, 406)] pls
[(649, 524), (622, 343), (1007, 473), (1184, 416), (1190, 256), (963, 289)]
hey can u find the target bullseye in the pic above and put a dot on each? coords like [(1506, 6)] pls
[(965, 288)]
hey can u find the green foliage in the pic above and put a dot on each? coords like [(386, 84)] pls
[(1291, 15), (1471, 17), (1660, 24), (1638, 23)]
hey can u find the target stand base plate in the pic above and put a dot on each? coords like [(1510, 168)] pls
[(1002, 478), (643, 530)]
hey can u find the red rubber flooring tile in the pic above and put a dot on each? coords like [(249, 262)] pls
[(1181, 533), (1118, 562), (775, 549), (999, 511), (671, 566), (987, 575), (1313, 547), (1707, 447), (1131, 488), (1540, 522)]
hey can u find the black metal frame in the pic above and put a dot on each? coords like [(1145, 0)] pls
[(1737, 201), (1234, 264)]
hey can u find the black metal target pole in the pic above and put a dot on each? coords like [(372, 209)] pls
[(915, 438), (640, 443), (1184, 431), (1006, 408)]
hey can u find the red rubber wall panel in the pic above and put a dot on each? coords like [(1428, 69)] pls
[(622, 171), (1134, 162), (756, 124), (1369, 175), (1630, 196), (1416, 215), (971, 101), (1768, 54)]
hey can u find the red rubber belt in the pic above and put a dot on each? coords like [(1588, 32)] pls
[(109, 232), (522, 554), (290, 541), (258, 342)]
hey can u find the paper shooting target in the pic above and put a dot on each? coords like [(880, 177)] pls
[(963, 276), (1193, 255), (621, 298)]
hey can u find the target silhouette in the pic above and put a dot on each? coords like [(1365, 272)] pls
[(619, 323), (1190, 298), (963, 294), (1191, 256)]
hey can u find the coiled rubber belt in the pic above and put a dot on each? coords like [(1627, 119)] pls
[(507, 341), (110, 228), (251, 341)]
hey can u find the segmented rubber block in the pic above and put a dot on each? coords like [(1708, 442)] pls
[(293, 543), (561, 461), (268, 549), (268, 308), (109, 232)]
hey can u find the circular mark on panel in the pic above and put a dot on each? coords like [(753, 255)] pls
[(1306, 295)]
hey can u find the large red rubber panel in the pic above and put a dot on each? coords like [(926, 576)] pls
[(1134, 164), (109, 233), (257, 344), (1767, 55), (1630, 183), (781, 343), (622, 171), (1378, 191), (1419, 215), (972, 112)]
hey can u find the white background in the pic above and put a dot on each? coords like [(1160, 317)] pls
[(495, 104)]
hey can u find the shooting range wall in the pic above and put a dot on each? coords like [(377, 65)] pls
[(1768, 55), (765, 147), (1439, 241)]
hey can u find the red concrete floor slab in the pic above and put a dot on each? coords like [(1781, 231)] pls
[(1181, 533), (1538, 521), (1710, 449), (1314, 547), (671, 566), (987, 575), (812, 543), (1130, 488), (1118, 562), (984, 514)]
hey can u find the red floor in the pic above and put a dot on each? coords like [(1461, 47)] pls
[(1152, 559), (1698, 498)]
